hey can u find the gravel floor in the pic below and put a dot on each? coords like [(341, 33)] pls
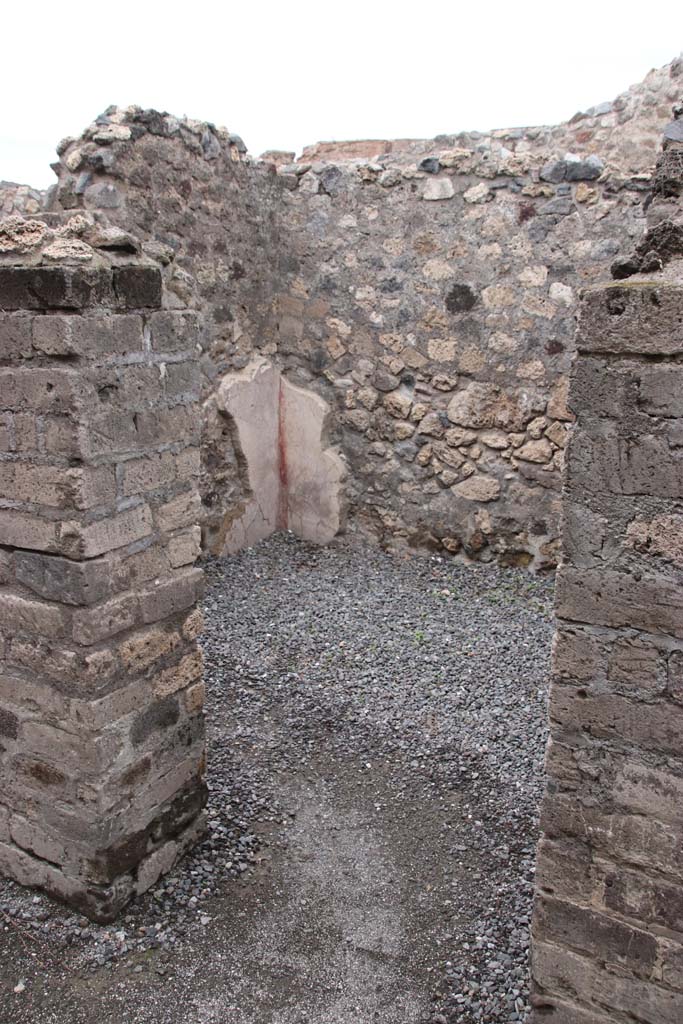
[(376, 734)]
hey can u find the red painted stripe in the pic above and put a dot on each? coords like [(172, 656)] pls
[(283, 497)]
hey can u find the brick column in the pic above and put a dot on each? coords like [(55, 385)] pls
[(607, 942), (101, 727)]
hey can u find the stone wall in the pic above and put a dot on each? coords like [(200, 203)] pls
[(186, 190), (101, 729), (432, 302), (608, 928), (433, 307), (427, 295), (626, 131), (20, 199)]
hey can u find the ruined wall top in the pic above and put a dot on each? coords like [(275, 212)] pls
[(626, 132), (74, 261), (63, 239), (20, 199), (427, 294), (661, 248), (131, 123)]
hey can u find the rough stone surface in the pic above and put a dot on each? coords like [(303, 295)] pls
[(607, 932), (102, 776), (337, 270), (373, 781), (416, 314)]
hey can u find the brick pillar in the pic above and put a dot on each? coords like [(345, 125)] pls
[(101, 727), (607, 942)]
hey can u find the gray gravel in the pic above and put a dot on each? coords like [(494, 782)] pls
[(421, 677), (438, 665)]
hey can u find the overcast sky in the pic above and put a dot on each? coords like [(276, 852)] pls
[(286, 74)]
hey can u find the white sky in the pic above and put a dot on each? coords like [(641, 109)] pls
[(286, 74)]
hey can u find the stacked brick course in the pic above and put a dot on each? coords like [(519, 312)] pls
[(101, 728), (608, 926)]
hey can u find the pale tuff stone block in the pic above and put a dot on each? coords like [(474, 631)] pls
[(21, 615), (114, 532)]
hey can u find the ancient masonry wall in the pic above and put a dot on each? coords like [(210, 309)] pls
[(607, 935), (608, 927), (430, 302), (426, 292), (626, 131), (101, 729), (20, 199), (187, 192), (433, 307), (433, 304)]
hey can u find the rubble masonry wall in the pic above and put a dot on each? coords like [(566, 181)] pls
[(426, 292)]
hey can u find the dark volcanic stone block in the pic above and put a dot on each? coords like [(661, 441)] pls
[(54, 287), (138, 287), (160, 715)]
